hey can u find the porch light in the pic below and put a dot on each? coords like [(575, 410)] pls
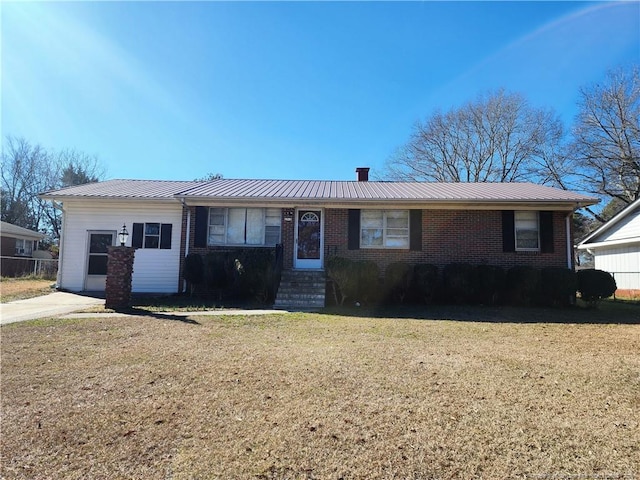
[(123, 235)]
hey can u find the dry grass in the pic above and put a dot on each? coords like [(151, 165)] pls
[(20, 288), (314, 396)]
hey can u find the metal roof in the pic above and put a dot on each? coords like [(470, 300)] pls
[(322, 191), (155, 189), (11, 230)]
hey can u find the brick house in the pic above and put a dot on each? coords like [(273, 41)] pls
[(504, 224)]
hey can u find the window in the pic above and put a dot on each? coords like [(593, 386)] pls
[(244, 226), (384, 229), (152, 235), (24, 247), (98, 252), (527, 230)]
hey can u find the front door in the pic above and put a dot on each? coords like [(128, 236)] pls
[(96, 277), (309, 243)]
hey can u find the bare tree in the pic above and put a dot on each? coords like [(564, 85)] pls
[(605, 150), (28, 170), (498, 137), (25, 173)]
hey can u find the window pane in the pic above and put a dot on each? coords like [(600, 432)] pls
[(236, 226), (273, 217), (152, 229), (216, 216), (151, 242), (397, 242), (97, 265), (371, 219), (272, 235), (255, 226), (526, 225), (99, 242), (371, 237)]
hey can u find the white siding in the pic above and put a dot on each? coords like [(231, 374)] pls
[(623, 263), (627, 228), (154, 270)]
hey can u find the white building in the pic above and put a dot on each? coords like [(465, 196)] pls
[(616, 247)]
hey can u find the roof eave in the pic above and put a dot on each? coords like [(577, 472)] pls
[(477, 204)]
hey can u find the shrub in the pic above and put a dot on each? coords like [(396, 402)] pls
[(489, 283), (242, 274), (558, 286), (425, 282), (457, 281), (341, 271), (368, 280), (523, 284), (397, 279), (594, 285), (193, 270)]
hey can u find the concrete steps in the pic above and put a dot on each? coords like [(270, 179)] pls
[(301, 290)]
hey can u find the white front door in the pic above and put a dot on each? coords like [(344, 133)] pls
[(96, 273), (308, 252)]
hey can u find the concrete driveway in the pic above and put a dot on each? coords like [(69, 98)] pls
[(52, 305)]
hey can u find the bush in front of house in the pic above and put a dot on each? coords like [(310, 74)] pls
[(425, 282), (489, 284), (595, 285), (398, 278), (241, 274), (193, 271), (368, 281), (557, 286), (522, 285), (344, 281), (257, 277), (458, 282)]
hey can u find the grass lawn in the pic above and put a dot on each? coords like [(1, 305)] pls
[(319, 396), (20, 288)]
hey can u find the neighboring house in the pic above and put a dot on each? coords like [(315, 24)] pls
[(18, 241), (615, 247), (504, 224)]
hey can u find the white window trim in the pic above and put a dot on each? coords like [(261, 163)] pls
[(515, 231), (226, 226), (384, 246)]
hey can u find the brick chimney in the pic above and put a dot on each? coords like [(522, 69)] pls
[(362, 174)]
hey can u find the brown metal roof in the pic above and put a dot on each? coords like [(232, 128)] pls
[(380, 191), (322, 191), (155, 189)]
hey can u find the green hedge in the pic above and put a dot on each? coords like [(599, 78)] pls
[(595, 285)]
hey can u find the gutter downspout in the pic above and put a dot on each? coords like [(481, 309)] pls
[(567, 221), (187, 235), (60, 206)]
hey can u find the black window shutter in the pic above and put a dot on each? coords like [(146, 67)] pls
[(508, 231), (415, 230), (165, 236), (202, 219), (137, 236), (546, 232), (353, 230)]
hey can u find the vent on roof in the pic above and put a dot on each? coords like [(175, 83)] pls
[(362, 174)]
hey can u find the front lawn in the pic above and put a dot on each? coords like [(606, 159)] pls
[(26, 287), (318, 396)]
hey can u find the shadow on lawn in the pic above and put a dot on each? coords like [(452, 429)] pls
[(141, 312), (609, 312)]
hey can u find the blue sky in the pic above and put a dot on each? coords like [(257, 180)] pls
[(293, 90)]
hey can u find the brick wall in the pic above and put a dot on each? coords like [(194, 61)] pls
[(450, 236), (119, 273)]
